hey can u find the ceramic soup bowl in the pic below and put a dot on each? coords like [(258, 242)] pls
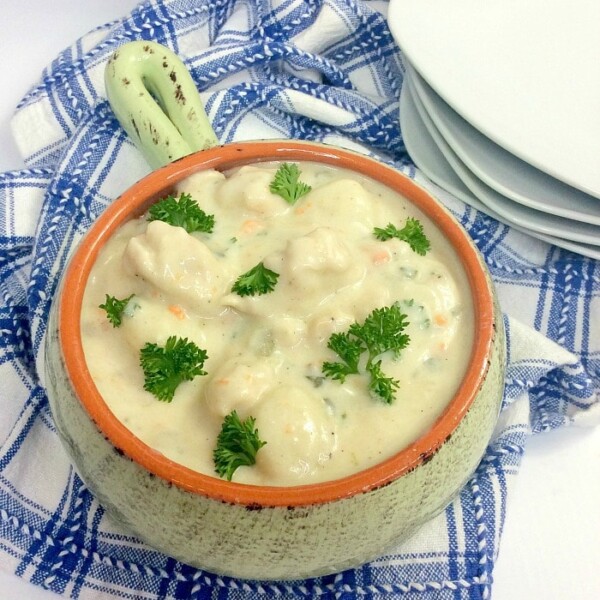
[(268, 532)]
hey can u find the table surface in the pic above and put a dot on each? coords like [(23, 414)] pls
[(550, 548)]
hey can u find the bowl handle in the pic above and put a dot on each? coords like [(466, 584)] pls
[(156, 101)]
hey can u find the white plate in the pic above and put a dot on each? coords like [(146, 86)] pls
[(437, 161), (511, 211), (429, 158), (525, 74), (501, 170)]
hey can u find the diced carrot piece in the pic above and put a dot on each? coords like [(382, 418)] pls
[(379, 257), (177, 311), (250, 226), (300, 210), (440, 319)]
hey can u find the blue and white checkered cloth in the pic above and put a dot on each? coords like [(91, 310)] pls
[(324, 70)]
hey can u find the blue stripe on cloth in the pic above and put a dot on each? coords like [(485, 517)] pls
[(14, 325), (73, 101), (28, 418), (452, 546), (18, 498), (500, 475), (83, 511), (375, 50), (38, 544), (59, 566), (88, 562), (286, 19)]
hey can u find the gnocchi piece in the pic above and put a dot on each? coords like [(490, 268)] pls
[(178, 264), (238, 385), (301, 433), (334, 201)]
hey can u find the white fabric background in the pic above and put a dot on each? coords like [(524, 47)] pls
[(550, 545)]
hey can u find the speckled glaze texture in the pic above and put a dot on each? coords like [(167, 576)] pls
[(140, 72), (278, 542)]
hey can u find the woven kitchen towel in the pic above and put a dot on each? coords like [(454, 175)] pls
[(324, 70)]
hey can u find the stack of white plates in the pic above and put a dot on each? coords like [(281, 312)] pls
[(501, 107)]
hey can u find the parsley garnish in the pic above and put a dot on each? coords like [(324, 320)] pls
[(182, 212), (349, 350), (286, 184), (258, 280), (412, 233), (237, 445), (382, 331), (380, 385), (166, 367), (114, 309)]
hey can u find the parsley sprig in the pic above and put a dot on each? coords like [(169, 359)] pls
[(257, 281), (287, 184), (237, 445), (182, 212), (412, 233), (166, 367), (382, 331), (380, 385), (114, 309)]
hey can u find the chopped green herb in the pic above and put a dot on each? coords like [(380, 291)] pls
[(114, 309), (412, 233), (381, 386), (166, 367), (258, 280), (382, 331), (287, 185), (237, 445), (317, 380), (182, 212), (408, 272), (349, 350), (417, 313)]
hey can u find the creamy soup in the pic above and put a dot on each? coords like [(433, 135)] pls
[(266, 352)]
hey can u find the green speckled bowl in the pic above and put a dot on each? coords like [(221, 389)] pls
[(270, 532)]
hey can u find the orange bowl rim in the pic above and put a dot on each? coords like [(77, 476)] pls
[(136, 199)]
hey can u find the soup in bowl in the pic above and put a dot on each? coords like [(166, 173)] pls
[(275, 359)]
